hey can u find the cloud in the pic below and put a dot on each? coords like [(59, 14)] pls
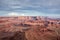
[(15, 14), (27, 13), (41, 5)]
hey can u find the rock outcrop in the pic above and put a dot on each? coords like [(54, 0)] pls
[(29, 28)]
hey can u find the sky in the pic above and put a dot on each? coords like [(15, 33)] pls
[(30, 8)]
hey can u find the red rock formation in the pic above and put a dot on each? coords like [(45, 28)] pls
[(29, 28)]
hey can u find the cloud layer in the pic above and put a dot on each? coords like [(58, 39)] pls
[(45, 6)]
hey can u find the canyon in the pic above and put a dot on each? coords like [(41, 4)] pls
[(29, 28)]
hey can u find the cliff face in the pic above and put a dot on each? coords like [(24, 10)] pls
[(29, 28)]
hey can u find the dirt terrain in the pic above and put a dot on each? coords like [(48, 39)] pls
[(29, 28)]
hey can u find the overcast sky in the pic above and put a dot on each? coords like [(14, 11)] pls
[(30, 7)]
